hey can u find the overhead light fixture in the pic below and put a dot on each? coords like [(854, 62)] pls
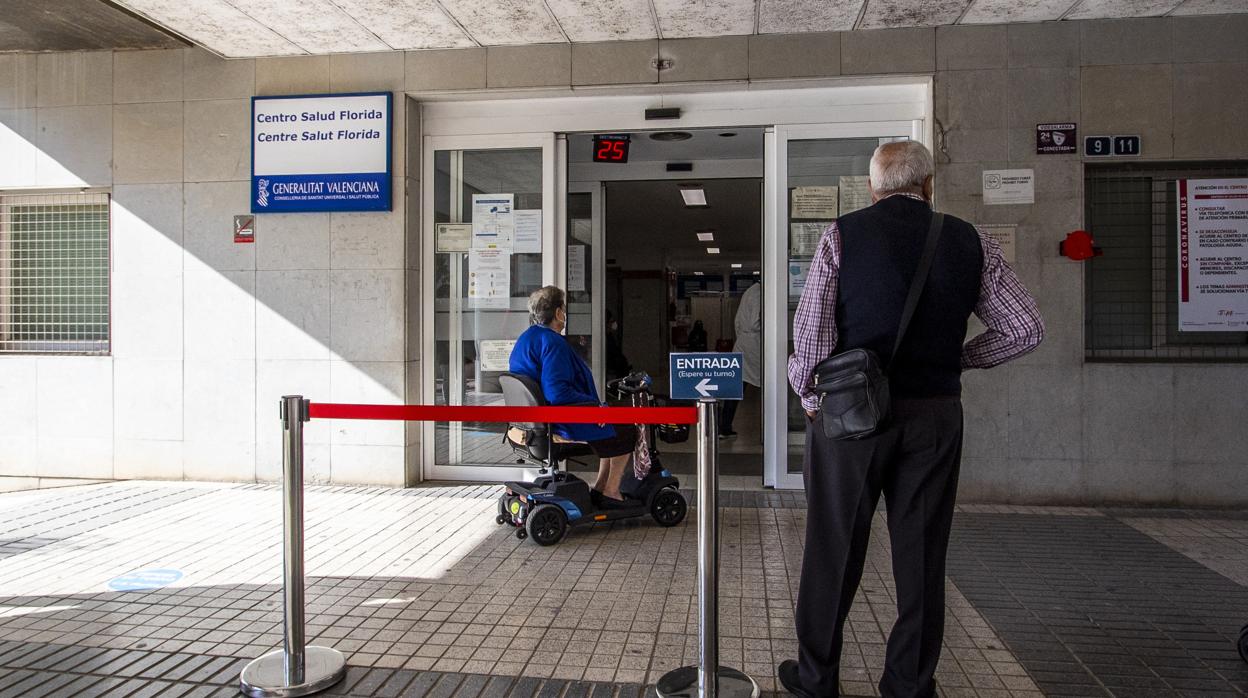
[(697, 273), (693, 195), (736, 265), (668, 136), (707, 236), (712, 250), (756, 273)]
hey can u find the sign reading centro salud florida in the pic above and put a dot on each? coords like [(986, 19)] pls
[(320, 153)]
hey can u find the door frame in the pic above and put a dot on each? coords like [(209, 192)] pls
[(776, 258), (484, 119), (552, 262)]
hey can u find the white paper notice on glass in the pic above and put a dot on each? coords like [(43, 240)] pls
[(576, 267), (453, 237), (528, 232), (1009, 186), (1004, 234), (804, 237), (855, 193), (489, 278), (814, 202), (496, 354), (581, 230), (1213, 255), (797, 278), (493, 222)]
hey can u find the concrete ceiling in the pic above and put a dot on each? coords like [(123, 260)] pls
[(75, 25), (240, 28)]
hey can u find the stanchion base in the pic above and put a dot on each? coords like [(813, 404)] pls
[(683, 683), (265, 677)]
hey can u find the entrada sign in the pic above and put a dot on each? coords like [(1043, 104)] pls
[(698, 376), (321, 153)]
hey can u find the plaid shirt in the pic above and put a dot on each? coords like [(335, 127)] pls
[(1004, 306)]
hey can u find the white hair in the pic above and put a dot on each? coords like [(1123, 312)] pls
[(898, 165), (544, 302)]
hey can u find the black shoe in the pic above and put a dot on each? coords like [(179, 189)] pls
[(790, 680), (595, 498), (726, 434), (608, 503)]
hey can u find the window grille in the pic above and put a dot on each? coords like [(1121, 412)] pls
[(54, 264), (1131, 309)]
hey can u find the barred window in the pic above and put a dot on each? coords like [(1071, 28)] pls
[(1131, 304), (54, 264)]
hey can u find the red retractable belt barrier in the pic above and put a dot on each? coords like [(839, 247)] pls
[(500, 413)]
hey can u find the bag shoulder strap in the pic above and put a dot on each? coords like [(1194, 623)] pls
[(919, 280)]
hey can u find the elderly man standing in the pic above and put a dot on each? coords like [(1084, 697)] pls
[(854, 295)]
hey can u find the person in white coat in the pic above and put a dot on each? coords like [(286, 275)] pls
[(748, 326)]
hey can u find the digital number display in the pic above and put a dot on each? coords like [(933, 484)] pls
[(611, 148)]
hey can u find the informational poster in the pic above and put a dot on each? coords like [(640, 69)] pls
[(804, 237), (814, 202), (797, 278), (320, 153), (1005, 235), (496, 354), (855, 193), (528, 232), (489, 278), (453, 237), (576, 267), (1213, 255), (1009, 186), (493, 222)]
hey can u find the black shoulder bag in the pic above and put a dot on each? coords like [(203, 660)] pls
[(852, 388)]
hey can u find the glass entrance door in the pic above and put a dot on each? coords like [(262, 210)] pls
[(490, 241), (814, 174)]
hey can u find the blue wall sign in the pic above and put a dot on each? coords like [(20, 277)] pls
[(706, 375), (321, 153), (144, 579)]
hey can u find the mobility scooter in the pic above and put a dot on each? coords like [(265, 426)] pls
[(546, 508)]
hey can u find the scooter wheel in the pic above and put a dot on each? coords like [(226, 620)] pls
[(1243, 643), (547, 524), (668, 507), (520, 533), (500, 519)]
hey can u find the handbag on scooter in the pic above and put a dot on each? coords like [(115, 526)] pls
[(853, 390)]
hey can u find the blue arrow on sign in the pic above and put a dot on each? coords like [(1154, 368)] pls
[(706, 375)]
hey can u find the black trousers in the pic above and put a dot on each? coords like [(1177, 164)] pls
[(914, 463)]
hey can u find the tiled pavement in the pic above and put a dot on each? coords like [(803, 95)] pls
[(427, 596)]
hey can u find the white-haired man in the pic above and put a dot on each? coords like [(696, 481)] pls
[(854, 295)]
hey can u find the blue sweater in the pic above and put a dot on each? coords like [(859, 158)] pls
[(545, 356)]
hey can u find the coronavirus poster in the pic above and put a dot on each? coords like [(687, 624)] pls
[(1213, 255)]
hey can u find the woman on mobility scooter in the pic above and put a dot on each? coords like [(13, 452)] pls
[(543, 354), (546, 371)]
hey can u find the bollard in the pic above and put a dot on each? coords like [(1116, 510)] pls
[(296, 669), (708, 679)]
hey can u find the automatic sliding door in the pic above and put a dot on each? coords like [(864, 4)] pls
[(488, 215), (816, 173)]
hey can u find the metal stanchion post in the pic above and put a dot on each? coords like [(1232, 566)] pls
[(708, 679), (296, 669)]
